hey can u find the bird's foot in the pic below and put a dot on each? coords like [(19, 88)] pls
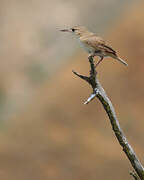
[(90, 56), (98, 62)]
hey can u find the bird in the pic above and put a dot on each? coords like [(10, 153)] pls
[(93, 44)]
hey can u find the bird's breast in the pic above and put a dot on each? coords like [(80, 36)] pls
[(86, 47)]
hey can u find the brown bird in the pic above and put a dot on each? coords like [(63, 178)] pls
[(94, 44)]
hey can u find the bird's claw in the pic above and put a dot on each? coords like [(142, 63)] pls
[(90, 56)]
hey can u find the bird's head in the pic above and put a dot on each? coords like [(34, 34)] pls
[(76, 30)]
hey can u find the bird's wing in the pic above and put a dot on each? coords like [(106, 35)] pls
[(99, 44), (107, 49), (92, 40)]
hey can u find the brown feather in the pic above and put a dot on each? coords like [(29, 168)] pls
[(97, 43), (109, 49)]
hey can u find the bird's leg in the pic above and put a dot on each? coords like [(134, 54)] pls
[(101, 58)]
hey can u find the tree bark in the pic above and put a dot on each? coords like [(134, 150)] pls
[(99, 92)]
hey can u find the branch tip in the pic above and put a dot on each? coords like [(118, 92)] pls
[(81, 76), (92, 96)]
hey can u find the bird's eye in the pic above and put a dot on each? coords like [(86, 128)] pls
[(73, 30)]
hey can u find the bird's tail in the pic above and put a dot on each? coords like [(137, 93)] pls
[(121, 60)]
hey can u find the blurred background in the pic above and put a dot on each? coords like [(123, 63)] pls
[(46, 131)]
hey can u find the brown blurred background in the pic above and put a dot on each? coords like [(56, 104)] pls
[(46, 131)]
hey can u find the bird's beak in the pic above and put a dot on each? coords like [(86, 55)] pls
[(66, 30)]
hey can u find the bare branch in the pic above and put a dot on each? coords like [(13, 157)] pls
[(99, 92), (134, 174), (92, 96), (81, 76)]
